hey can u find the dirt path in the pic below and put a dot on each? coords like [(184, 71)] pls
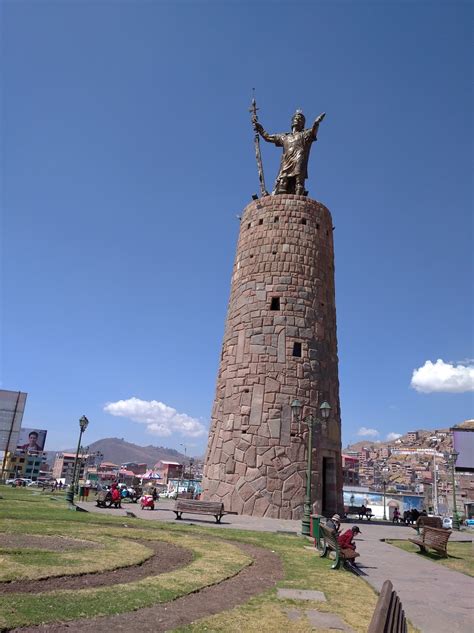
[(166, 557), (262, 574)]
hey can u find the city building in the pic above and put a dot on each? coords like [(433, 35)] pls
[(168, 470), (25, 465), (63, 466), (350, 470), (134, 467)]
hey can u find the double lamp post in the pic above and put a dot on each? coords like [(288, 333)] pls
[(311, 422), (452, 459), (83, 424)]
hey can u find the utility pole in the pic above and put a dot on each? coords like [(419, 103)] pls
[(435, 486)]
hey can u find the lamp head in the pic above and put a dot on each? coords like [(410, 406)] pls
[(454, 456), (296, 409), (83, 423), (325, 410)]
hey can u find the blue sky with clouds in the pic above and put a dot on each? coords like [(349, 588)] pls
[(127, 155)]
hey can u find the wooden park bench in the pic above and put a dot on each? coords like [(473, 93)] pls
[(389, 616), (360, 512), (433, 538), (192, 506), (329, 543), (104, 499), (423, 521)]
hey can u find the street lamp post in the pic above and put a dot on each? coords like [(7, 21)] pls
[(83, 423), (83, 451), (184, 465), (310, 422), (384, 484), (452, 461)]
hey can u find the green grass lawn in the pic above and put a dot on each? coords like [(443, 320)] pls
[(460, 555), (215, 557)]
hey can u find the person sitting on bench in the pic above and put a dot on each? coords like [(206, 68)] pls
[(346, 541), (334, 524)]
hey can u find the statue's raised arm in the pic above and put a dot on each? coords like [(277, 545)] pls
[(316, 123)]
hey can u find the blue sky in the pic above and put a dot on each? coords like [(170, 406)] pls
[(127, 155)]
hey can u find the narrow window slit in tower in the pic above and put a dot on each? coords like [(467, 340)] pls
[(260, 221), (317, 226), (275, 303), (249, 225), (297, 349), (303, 220), (276, 218)]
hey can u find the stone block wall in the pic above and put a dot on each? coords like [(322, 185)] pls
[(279, 344)]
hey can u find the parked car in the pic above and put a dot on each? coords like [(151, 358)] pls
[(448, 523), (469, 522), (21, 481)]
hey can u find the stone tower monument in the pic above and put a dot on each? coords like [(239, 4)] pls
[(279, 345)]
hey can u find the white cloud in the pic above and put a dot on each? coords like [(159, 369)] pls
[(159, 418), (393, 436), (443, 377), (365, 432)]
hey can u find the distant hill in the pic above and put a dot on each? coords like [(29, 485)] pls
[(118, 451), (423, 433)]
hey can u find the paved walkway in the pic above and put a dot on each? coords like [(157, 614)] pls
[(435, 599)]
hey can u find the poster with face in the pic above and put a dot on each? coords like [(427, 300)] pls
[(31, 440)]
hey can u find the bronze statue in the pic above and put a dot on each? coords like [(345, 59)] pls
[(296, 147)]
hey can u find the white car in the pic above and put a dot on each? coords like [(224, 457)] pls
[(448, 523), (21, 481)]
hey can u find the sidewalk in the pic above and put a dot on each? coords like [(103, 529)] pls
[(435, 599)]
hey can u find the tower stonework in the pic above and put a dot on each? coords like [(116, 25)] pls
[(279, 344)]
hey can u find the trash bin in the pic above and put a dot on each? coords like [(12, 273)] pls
[(314, 529), (81, 493)]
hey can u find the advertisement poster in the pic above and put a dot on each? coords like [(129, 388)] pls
[(31, 440)]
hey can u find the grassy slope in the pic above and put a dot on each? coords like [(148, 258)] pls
[(348, 596)]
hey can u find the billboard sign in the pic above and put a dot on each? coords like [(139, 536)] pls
[(12, 406), (463, 441), (31, 440)]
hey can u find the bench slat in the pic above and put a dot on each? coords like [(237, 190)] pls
[(388, 616), (394, 615), (201, 505), (379, 618)]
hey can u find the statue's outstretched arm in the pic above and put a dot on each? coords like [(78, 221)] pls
[(270, 138), (316, 123)]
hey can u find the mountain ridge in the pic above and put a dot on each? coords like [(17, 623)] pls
[(118, 451)]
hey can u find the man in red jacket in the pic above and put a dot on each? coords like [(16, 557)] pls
[(346, 542)]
